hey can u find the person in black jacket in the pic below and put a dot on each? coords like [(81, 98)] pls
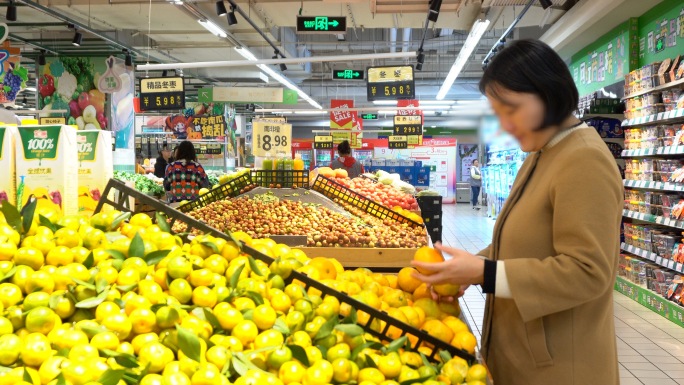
[(162, 161)]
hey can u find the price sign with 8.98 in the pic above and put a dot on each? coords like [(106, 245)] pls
[(271, 138)]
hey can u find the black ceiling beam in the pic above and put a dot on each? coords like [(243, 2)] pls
[(58, 24), (256, 28)]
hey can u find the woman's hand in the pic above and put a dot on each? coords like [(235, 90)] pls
[(455, 298), (462, 269)]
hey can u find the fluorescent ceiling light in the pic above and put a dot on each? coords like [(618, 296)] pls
[(315, 112), (213, 28), (247, 54), (385, 102), (474, 101), (479, 28)]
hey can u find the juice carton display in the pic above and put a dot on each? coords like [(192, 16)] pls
[(95, 167), (47, 168), (8, 183)]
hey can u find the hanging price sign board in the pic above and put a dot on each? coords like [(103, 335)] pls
[(398, 142), (408, 125), (271, 138), (323, 142), (158, 94), (390, 83)]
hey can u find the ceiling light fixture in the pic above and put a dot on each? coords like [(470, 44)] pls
[(221, 8), (78, 39), (165, 73), (129, 59), (41, 59), (11, 14), (479, 28), (422, 103), (545, 3), (435, 5), (213, 28), (232, 20), (247, 54)]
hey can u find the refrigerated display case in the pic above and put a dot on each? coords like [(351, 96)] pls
[(324, 157), (498, 176), (303, 149), (361, 155)]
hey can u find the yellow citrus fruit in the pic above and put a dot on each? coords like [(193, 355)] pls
[(245, 331), (264, 317), (218, 355), (477, 372), (10, 348), (40, 281), (446, 289), (143, 320), (59, 256), (291, 372), (167, 317), (36, 349), (326, 268), (268, 338), (204, 296), (181, 290), (428, 255), (406, 281), (29, 256), (50, 369), (35, 299), (372, 375), (105, 340), (156, 355), (429, 307), (7, 250), (143, 339), (438, 329), (41, 320), (141, 219), (68, 237), (465, 340), (119, 324), (83, 352)]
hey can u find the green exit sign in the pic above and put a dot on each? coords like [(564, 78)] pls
[(347, 75), (321, 24), (369, 116)]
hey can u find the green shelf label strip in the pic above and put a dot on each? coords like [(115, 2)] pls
[(651, 300), (663, 186), (662, 117)]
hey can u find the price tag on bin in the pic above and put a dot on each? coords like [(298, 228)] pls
[(271, 138)]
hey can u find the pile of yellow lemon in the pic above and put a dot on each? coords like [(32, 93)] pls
[(97, 300)]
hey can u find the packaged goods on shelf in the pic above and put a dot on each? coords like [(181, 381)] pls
[(8, 184), (95, 167), (47, 167), (648, 137)]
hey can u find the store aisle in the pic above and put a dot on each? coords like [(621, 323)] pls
[(650, 348)]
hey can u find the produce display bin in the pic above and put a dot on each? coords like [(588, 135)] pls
[(226, 190), (336, 191), (429, 203), (284, 178), (123, 195), (389, 260)]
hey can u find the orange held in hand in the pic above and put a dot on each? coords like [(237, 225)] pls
[(427, 254)]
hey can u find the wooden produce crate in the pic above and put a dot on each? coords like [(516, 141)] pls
[(376, 259)]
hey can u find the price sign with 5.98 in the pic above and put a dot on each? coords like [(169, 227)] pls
[(408, 125), (271, 138)]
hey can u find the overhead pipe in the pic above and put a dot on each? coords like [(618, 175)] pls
[(393, 40), (406, 40), (507, 32)]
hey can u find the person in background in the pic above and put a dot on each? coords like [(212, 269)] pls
[(346, 161), (162, 161), (139, 168), (475, 182), (185, 177), (550, 270)]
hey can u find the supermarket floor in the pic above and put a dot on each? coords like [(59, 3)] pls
[(650, 348)]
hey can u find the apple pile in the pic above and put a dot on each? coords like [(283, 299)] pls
[(386, 195)]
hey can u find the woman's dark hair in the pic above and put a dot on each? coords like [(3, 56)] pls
[(344, 148), (532, 67), (186, 150)]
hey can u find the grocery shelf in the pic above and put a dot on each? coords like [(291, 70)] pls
[(653, 301), (660, 118), (656, 89), (658, 220), (606, 116), (653, 257), (662, 186), (670, 150)]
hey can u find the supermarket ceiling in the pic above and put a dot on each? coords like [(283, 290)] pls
[(168, 31)]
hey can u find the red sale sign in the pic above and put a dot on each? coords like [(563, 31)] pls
[(342, 120), (408, 103)]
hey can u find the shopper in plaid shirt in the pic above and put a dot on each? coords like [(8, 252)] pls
[(185, 177)]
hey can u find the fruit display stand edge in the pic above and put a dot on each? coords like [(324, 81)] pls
[(121, 196), (334, 190), (229, 189)]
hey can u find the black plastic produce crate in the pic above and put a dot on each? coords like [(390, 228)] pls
[(281, 178), (121, 197), (435, 233), (429, 203), (336, 191), (229, 189), (432, 218)]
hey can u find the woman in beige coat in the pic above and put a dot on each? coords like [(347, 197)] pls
[(550, 270)]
